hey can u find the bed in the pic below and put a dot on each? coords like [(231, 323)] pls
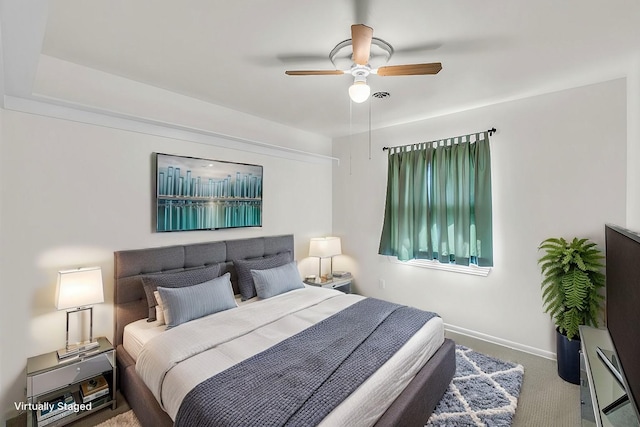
[(406, 387)]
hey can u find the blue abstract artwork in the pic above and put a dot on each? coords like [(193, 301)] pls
[(203, 194)]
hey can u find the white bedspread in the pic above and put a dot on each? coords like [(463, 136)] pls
[(173, 362), (137, 334)]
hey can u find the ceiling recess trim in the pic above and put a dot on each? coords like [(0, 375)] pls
[(83, 114)]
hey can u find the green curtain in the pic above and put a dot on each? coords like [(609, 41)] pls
[(439, 202)]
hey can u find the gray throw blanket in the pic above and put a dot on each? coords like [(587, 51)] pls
[(300, 380)]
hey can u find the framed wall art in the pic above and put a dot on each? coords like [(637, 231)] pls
[(203, 194)]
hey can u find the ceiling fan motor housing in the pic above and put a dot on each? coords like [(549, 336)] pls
[(360, 72)]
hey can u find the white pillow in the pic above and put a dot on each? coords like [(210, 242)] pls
[(159, 308)]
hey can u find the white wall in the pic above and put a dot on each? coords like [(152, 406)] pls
[(3, 324), (633, 145), (73, 193), (558, 169)]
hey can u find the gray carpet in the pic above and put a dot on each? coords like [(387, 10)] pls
[(484, 392)]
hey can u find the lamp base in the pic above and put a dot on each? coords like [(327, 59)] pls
[(77, 349)]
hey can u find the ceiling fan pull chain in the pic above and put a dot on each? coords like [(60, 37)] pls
[(369, 129), (350, 134)]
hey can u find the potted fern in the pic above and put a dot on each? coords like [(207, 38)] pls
[(572, 279)]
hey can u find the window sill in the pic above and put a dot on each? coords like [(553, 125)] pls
[(435, 265)]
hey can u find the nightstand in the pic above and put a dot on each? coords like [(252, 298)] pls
[(49, 377), (342, 284)]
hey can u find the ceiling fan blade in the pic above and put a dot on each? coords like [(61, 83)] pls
[(410, 69), (361, 36), (314, 73)]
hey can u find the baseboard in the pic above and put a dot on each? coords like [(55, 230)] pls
[(499, 341)]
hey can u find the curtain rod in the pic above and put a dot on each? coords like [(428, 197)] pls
[(490, 131)]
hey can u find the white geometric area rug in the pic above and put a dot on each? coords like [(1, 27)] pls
[(126, 419), (484, 392)]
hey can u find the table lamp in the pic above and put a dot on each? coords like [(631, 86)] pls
[(325, 247), (77, 290)]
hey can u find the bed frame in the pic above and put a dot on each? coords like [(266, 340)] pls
[(412, 407)]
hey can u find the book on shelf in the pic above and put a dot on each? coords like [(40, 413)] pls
[(56, 417), (341, 274), (99, 401), (93, 396), (54, 409), (93, 388)]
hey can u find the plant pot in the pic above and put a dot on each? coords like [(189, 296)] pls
[(568, 354)]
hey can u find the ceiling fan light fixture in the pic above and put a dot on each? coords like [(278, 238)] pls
[(359, 91), (361, 43)]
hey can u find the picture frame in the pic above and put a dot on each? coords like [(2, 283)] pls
[(204, 194)]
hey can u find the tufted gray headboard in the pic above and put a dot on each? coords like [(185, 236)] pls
[(130, 265)]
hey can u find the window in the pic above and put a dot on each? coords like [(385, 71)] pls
[(438, 202)]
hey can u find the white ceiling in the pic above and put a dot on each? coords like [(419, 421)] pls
[(234, 53)]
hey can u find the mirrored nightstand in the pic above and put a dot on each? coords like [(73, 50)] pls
[(50, 378), (342, 284)]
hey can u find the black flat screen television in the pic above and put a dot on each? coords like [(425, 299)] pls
[(205, 194), (623, 305)]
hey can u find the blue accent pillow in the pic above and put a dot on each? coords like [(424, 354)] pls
[(276, 281), (192, 302), (178, 279), (244, 267)]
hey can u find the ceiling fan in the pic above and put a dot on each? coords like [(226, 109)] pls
[(361, 41)]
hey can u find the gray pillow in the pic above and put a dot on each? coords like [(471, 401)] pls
[(244, 267), (178, 279), (192, 302), (276, 281)]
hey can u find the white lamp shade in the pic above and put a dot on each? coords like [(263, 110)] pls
[(80, 287), (325, 247)]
